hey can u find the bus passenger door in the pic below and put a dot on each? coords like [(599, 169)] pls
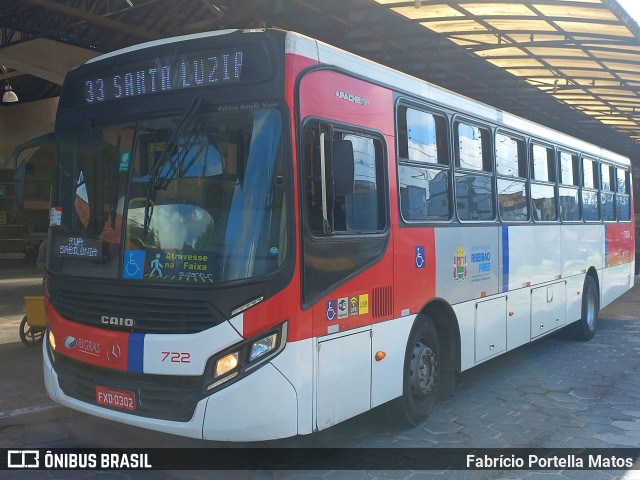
[(344, 235), (346, 265)]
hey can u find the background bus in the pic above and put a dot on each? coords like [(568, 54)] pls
[(255, 235)]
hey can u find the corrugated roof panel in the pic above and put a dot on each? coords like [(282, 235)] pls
[(454, 26), (494, 9), (574, 11), (502, 52), (621, 68), (428, 11), (607, 30), (556, 52), (610, 54), (531, 72), (511, 63), (512, 25), (572, 63), (589, 73)]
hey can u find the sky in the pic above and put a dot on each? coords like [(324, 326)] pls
[(632, 7)]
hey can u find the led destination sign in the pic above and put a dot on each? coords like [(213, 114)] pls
[(79, 247), (176, 72)]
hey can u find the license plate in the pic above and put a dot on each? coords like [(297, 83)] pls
[(115, 398)]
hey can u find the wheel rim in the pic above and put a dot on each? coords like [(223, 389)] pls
[(590, 314), (35, 335), (423, 370)]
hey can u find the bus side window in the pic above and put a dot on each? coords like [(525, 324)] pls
[(590, 207), (543, 177), (474, 183), (361, 208), (351, 207), (311, 152), (607, 195), (569, 180), (623, 204), (423, 166), (511, 168)]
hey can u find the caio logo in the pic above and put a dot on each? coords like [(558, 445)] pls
[(116, 321)]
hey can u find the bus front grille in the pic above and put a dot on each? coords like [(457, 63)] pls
[(165, 397), (162, 313)]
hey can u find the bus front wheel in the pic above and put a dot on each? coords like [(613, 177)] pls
[(420, 376), (585, 328)]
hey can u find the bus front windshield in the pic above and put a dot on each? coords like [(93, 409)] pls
[(198, 197)]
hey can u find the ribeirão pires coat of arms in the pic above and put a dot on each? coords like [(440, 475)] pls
[(460, 264)]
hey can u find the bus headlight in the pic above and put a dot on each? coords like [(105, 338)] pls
[(226, 364), (244, 357), (263, 346)]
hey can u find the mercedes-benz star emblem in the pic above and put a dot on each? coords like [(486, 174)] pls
[(113, 353)]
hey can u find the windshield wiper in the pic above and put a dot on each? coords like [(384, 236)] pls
[(154, 182)]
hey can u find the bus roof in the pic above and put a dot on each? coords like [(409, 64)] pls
[(420, 89), (162, 41)]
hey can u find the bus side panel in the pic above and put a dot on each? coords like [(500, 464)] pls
[(620, 245), (415, 269), (617, 276), (387, 374), (582, 248), (533, 255), (235, 413), (296, 363), (469, 268), (468, 265)]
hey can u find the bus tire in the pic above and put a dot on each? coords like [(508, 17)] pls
[(30, 336), (420, 375), (585, 328)]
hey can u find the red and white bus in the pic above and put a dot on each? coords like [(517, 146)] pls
[(255, 235)]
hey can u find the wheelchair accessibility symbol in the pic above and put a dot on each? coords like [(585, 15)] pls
[(133, 264), (420, 260), (332, 310)]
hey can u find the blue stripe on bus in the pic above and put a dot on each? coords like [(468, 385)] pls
[(505, 259), (136, 352)]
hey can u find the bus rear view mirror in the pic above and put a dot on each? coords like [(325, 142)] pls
[(343, 167)]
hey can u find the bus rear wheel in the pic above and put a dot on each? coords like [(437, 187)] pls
[(420, 376), (585, 328)]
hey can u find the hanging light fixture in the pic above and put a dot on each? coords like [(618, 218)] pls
[(9, 95)]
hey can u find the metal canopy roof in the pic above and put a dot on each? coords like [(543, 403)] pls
[(568, 64), (584, 53)]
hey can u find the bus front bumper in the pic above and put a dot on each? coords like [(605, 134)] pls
[(261, 406)]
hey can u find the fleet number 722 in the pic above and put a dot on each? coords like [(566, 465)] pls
[(177, 357)]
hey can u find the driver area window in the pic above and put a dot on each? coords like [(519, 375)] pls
[(354, 194)]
